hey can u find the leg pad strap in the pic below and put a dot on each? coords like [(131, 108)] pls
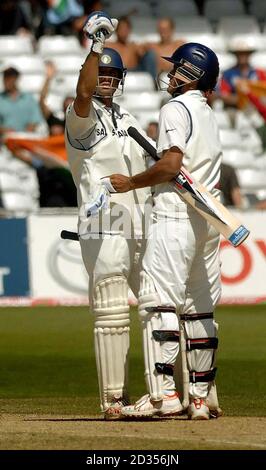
[(206, 376), (162, 368)]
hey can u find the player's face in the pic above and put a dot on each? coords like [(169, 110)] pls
[(174, 81), (108, 81)]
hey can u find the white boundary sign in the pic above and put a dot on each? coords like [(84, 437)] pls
[(57, 275)]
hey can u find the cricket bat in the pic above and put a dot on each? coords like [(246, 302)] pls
[(200, 198)]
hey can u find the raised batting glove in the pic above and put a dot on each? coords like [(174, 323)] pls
[(99, 27)]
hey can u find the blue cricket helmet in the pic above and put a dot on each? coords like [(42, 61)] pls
[(111, 58), (197, 62)]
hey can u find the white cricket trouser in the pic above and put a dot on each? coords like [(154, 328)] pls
[(113, 263), (113, 256), (182, 259)]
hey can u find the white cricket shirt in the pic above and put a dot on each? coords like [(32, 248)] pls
[(188, 122)]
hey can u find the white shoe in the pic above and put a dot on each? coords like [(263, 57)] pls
[(198, 410), (114, 410), (145, 407)]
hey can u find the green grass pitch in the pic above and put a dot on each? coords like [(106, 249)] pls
[(47, 360)]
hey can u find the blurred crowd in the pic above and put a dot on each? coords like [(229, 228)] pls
[(22, 112)]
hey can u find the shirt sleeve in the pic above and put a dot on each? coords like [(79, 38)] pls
[(175, 127), (76, 125)]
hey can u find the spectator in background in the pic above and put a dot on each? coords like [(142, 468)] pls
[(61, 15), (136, 57), (57, 188), (230, 187), (242, 48), (18, 110), (152, 130), (55, 124), (13, 18), (243, 86), (166, 45)]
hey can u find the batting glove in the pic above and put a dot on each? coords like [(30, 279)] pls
[(99, 200), (99, 27)]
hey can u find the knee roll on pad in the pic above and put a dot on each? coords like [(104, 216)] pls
[(111, 337)]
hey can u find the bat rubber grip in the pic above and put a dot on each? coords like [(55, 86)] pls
[(66, 235), (135, 134)]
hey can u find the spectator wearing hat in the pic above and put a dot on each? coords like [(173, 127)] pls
[(242, 48)]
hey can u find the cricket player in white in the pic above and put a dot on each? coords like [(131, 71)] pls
[(181, 268), (98, 144)]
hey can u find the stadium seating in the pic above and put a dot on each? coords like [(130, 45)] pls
[(214, 41), (226, 60), (230, 138), (251, 180), (58, 45), (19, 203), (258, 59), (31, 64), (68, 64), (145, 117), (139, 8), (214, 9), (192, 25), (238, 158), (222, 119), (258, 9), (176, 8), (54, 101), (31, 83), (229, 26), (15, 45), (142, 101), (222, 21), (138, 81), (64, 85), (143, 26)]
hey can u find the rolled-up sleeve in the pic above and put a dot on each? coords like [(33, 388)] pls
[(174, 127), (76, 125)]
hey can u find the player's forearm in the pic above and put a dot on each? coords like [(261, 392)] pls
[(88, 76), (161, 172)]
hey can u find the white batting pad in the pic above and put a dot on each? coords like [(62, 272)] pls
[(200, 360), (148, 297), (111, 338)]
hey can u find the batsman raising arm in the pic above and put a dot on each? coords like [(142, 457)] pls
[(181, 268), (98, 144)]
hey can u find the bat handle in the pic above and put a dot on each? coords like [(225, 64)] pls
[(66, 235)]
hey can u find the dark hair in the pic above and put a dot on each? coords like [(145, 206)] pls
[(170, 21), (126, 20), (11, 72)]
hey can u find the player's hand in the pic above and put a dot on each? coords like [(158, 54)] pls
[(99, 27), (121, 183)]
